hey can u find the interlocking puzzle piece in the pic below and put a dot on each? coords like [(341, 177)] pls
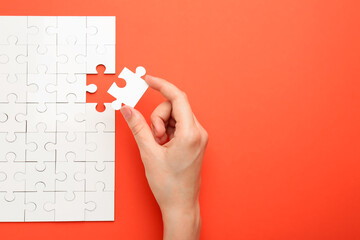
[(13, 26), (100, 55), (33, 117), (102, 31), (8, 112), (78, 147), (37, 30), (93, 117), (41, 80), (41, 55), (70, 29), (93, 175), (70, 209), (40, 155), (75, 55), (15, 84), (104, 201), (47, 176), (132, 92), (70, 168), (9, 54), (17, 147), (12, 211), (71, 84), (105, 147), (36, 202), (73, 117), (12, 177)]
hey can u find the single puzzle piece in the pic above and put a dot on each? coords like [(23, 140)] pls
[(47, 176), (41, 154), (9, 54), (14, 84), (41, 55), (67, 85), (104, 55), (14, 180), (105, 147), (104, 201), (34, 117), (70, 184), (70, 210), (93, 117), (103, 81), (102, 31), (37, 30), (132, 92), (41, 80), (35, 204), (78, 147), (75, 55), (13, 26), (93, 175), (12, 211), (17, 147), (8, 122), (70, 29), (73, 117)]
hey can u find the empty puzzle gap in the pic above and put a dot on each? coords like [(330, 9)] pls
[(103, 82)]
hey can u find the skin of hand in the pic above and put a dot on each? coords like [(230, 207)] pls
[(172, 152)]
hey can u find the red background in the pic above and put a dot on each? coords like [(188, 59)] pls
[(275, 83)]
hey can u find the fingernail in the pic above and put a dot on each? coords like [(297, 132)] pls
[(126, 112)]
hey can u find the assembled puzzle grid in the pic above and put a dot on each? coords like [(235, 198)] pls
[(57, 153)]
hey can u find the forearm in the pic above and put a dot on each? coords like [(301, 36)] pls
[(182, 224)]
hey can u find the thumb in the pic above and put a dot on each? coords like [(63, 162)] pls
[(138, 127)]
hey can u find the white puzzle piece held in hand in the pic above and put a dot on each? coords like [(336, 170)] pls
[(132, 92)]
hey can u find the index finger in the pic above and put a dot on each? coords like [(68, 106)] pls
[(181, 107)]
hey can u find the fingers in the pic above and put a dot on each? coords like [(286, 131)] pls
[(170, 131), (204, 134), (160, 117), (172, 123), (167, 89), (163, 139), (181, 109), (139, 128)]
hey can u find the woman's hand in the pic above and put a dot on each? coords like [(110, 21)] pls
[(172, 152)]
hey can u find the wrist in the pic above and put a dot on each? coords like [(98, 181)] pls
[(184, 222)]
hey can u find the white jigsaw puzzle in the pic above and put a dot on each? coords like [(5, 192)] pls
[(57, 153)]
